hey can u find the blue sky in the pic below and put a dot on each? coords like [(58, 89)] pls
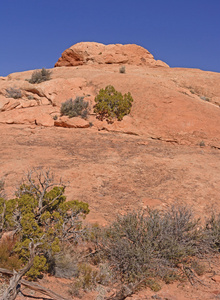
[(183, 33)]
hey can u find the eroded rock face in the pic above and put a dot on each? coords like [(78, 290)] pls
[(66, 122), (96, 53)]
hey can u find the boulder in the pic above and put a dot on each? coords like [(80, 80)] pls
[(67, 122)]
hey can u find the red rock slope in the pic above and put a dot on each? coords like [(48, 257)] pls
[(171, 104)]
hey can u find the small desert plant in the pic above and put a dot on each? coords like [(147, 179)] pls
[(112, 104), (87, 276), (8, 259), (198, 267), (202, 144), (213, 231), (122, 70), (13, 93), (75, 108), (205, 98), (30, 97), (153, 285), (2, 183), (40, 76), (65, 263)]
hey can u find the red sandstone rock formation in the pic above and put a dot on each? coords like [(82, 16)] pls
[(96, 53), (166, 151)]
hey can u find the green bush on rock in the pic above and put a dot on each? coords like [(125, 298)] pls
[(41, 215), (112, 104)]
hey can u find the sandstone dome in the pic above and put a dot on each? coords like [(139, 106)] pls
[(85, 53)]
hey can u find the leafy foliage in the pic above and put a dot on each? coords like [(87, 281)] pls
[(112, 104), (40, 76), (75, 108), (40, 214)]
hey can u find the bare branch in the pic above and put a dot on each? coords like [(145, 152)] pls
[(38, 183), (14, 287), (2, 183), (2, 219), (34, 286), (42, 210)]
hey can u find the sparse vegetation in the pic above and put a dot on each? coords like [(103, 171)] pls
[(197, 91), (75, 108), (13, 93), (122, 70), (8, 258), (205, 98), (198, 267), (153, 243), (213, 231), (111, 104), (30, 97), (141, 248), (202, 144), (39, 76)]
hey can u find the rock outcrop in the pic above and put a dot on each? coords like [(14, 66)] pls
[(166, 151), (66, 122), (170, 104), (96, 53)]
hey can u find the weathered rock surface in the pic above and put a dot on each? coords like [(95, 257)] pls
[(67, 122), (174, 105), (96, 53), (166, 151)]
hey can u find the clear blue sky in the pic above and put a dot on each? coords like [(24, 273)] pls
[(183, 33)]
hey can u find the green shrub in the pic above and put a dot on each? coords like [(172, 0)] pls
[(40, 76), (75, 108), (111, 104), (41, 214), (13, 93)]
